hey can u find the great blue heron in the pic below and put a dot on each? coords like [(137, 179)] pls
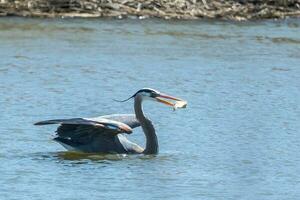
[(104, 134)]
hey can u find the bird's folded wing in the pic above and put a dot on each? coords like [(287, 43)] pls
[(128, 119), (99, 123)]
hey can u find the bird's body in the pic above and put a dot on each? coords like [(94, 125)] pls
[(102, 144), (89, 135), (106, 134)]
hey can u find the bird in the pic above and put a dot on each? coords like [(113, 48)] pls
[(106, 134)]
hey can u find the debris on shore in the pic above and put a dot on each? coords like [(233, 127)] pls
[(237, 10)]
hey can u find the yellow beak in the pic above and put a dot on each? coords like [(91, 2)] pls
[(163, 98)]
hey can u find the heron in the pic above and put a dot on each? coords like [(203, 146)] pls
[(106, 134)]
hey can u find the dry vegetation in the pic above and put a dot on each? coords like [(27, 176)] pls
[(167, 9)]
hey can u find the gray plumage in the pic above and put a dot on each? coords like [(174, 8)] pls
[(100, 134), (128, 119)]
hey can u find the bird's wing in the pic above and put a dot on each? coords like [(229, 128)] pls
[(128, 119), (101, 124), (90, 134)]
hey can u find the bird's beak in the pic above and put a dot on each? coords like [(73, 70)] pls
[(170, 100)]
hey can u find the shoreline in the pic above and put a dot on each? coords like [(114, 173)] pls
[(236, 10)]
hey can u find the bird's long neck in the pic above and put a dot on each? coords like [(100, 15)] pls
[(149, 131)]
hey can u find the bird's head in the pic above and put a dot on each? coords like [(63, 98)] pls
[(154, 95)]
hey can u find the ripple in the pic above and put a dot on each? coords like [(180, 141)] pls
[(43, 28), (282, 69), (183, 34), (239, 133), (277, 40), (285, 40)]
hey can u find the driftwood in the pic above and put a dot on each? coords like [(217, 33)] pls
[(168, 9)]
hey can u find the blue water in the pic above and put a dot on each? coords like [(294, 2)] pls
[(237, 139)]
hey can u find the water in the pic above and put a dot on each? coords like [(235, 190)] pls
[(238, 138)]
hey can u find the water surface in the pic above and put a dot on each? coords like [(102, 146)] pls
[(238, 138)]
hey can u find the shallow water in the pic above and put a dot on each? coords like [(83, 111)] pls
[(237, 139)]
